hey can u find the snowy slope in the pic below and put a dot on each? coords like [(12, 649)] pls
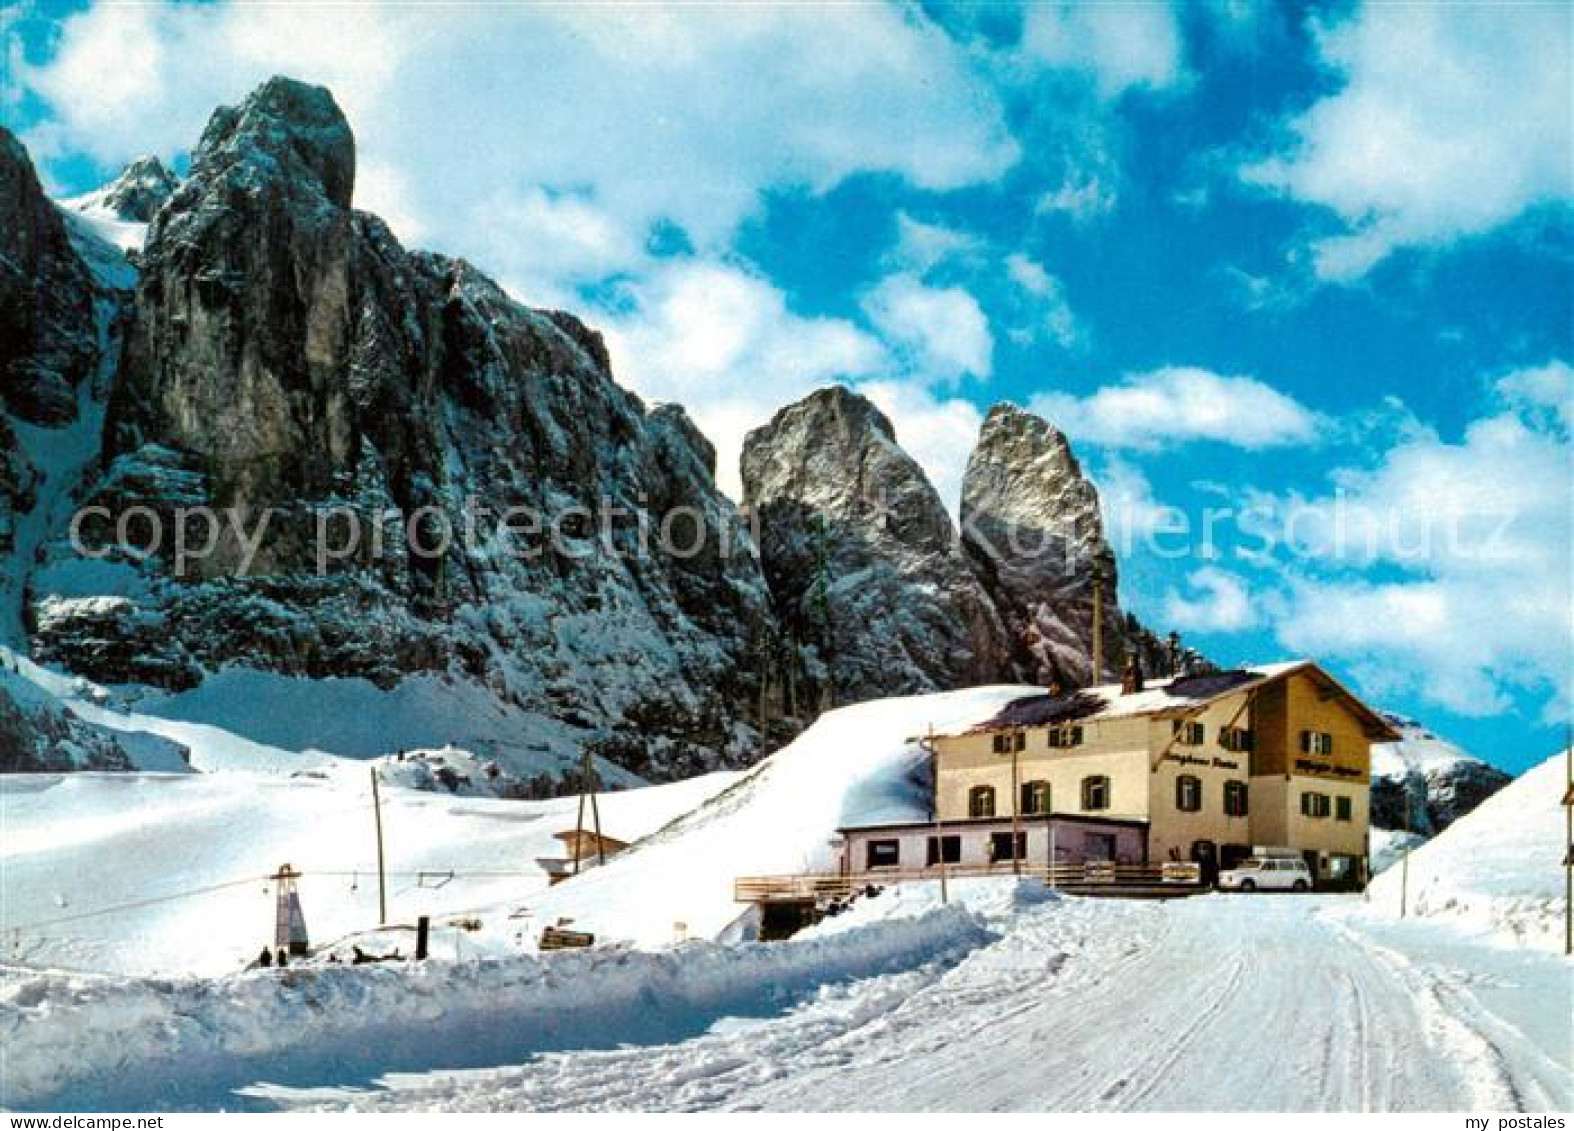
[(94, 1043), (75, 844), (1497, 870), (856, 765)]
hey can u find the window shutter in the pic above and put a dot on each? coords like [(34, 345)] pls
[(1306, 742)]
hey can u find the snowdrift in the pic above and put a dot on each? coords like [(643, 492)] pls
[(856, 765), (95, 1043), (1497, 870)]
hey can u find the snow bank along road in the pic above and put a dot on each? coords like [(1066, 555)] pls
[(1211, 1003)]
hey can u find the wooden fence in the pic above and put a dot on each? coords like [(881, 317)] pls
[(1095, 874)]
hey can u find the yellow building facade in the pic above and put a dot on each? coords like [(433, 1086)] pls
[(1213, 765)]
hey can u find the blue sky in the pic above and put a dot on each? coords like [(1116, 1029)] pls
[(1295, 264)]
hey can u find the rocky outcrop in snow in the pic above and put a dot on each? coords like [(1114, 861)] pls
[(133, 197), (864, 565), (48, 341), (1428, 780), (1033, 532), (40, 735), (287, 356)]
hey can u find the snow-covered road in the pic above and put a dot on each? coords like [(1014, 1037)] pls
[(1266, 1003)]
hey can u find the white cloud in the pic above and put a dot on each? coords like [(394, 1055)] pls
[(1546, 389), (1082, 196), (1134, 518), (649, 113), (1219, 602), (941, 333), (1181, 404), (1120, 46), (1452, 120), (1049, 315), (1444, 570), (922, 247), (720, 340)]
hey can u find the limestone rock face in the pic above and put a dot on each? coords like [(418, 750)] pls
[(1033, 532), (48, 341), (864, 565), (288, 357)]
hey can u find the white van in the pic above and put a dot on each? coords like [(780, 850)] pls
[(1267, 873)]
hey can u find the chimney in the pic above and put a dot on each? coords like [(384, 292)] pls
[(1131, 678), (1175, 654)]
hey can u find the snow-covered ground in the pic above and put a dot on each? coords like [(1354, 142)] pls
[(194, 850), (1017, 1002), (1007, 998), (1498, 870)]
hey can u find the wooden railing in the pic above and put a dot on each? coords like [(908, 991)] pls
[(811, 886)]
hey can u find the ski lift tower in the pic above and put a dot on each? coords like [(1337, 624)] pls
[(289, 921)]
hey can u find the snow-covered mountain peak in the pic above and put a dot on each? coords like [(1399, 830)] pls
[(133, 197)]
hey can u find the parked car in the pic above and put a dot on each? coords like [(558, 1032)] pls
[(1267, 873)]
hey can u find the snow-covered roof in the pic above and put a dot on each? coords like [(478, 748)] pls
[(1167, 698)]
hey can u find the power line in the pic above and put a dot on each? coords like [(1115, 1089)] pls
[(190, 893)]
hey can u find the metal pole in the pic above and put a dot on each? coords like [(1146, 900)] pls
[(382, 875), (1098, 624), (1568, 841), (592, 782), (1404, 862), (1052, 840), (1016, 807), (934, 773)]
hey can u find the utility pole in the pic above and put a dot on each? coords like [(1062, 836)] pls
[(1098, 623), (934, 773), (587, 791), (1568, 840), (1404, 862), (382, 874), (1016, 802)]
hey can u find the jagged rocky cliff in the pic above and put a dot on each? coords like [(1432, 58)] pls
[(288, 358), (48, 344), (1032, 530), (862, 559), (396, 507)]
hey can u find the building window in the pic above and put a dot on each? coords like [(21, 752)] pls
[(945, 850), (885, 853), (1035, 797), (1064, 737), (1314, 804), (1000, 846), (1098, 846), (1095, 793), (1188, 734), (1010, 741), (1317, 742), (1235, 799), (981, 801), (1236, 739), (1188, 793), (1341, 808)]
